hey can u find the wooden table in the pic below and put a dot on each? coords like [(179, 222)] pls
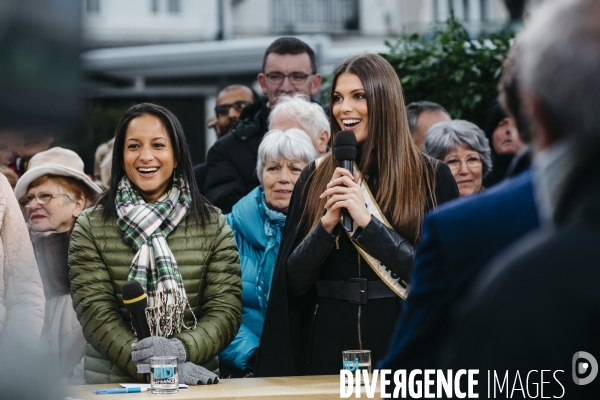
[(291, 387)]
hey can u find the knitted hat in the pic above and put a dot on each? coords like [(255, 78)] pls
[(55, 161)]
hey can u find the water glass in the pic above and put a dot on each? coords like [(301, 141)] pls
[(353, 360), (164, 375)]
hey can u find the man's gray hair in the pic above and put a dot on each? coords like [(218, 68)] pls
[(443, 137), (559, 61), (293, 145), (310, 116), (413, 110)]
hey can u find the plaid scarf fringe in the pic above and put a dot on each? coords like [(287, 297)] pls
[(165, 319)]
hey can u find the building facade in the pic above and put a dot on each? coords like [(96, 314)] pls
[(180, 53)]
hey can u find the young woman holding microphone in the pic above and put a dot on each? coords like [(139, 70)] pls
[(336, 290)]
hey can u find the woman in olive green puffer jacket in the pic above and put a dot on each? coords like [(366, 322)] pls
[(202, 245)]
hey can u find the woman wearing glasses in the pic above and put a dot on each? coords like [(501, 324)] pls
[(52, 193), (464, 147)]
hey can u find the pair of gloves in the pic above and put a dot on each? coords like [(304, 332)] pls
[(155, 346)]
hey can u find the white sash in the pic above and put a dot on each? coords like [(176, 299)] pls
[(396, 283)]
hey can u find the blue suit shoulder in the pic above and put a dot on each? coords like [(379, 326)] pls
[(513, 190), (459, 238)]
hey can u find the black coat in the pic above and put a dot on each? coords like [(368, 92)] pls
[(232, 159), (200, 172), (305, 334), (539, 303)]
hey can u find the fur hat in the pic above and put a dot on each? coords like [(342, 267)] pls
[(55, 161)]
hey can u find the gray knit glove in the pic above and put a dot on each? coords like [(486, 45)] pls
[(192, 374), (155, 346)]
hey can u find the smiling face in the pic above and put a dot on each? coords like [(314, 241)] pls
[(148, 156), (278, 181), (350, 106), (467, 168), (505, 138), (58, 214)]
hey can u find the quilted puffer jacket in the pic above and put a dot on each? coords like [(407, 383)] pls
[(99, 261), (22, 299), (247, 220)]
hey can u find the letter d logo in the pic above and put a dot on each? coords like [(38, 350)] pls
[(582, 367)]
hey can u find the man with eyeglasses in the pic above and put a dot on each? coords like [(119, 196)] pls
[(230, 103), (289, 67)]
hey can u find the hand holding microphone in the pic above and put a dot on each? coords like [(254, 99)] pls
[(344, 196), (135, 300)]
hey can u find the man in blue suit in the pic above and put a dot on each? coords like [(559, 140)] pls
[(458, 239)]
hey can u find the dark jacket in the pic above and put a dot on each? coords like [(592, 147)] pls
[(99, 262), (537, 305), (200, 172), (458, 239), (305, 334), (520, 162), (232, 159)]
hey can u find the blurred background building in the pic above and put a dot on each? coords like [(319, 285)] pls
[(180, 53)]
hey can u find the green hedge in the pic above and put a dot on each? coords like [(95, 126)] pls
[(450, 68)]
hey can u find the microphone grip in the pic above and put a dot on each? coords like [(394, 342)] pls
[(347, 164), (347, 222), (140, 324)]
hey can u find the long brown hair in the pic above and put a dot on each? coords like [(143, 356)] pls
[(405, 176)]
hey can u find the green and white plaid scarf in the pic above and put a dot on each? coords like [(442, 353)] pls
[(146, 226)]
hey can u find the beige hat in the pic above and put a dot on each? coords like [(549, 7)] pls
[(55, 161)]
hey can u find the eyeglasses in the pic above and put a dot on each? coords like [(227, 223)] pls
[(296, 78), (472, 162), (238, 106), (40, 197)]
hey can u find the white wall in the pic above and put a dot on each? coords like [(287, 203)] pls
[(378, 17), (133, 21), (251, 17)]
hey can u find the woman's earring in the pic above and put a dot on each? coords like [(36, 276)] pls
[(175, 180)]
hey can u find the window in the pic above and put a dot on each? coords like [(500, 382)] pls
[(92, 6), (173, 6), (154, 6), (293, 16)]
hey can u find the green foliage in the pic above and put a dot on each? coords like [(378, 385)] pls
[(450, 68)]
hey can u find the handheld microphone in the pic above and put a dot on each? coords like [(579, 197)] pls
[(136, 301), (345, 151)]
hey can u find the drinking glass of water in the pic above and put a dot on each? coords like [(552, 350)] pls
[(353, 360), (164, 375)]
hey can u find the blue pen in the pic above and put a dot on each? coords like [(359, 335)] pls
[(119, 390)]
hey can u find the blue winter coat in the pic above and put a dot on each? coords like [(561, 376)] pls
[(250, 221)]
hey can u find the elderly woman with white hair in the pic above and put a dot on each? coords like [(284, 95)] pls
[(465, 149), (299, 112), (257, 222)]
